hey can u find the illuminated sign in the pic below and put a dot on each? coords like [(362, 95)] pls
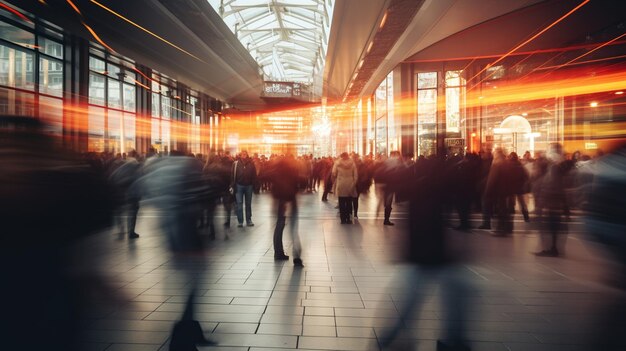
[(278, 89)]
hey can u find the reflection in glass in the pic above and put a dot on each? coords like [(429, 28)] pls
[(115, 94), (51, 47), (96, 89), (427, 113), (96, 129), (51, 112), (16, 35), (51, 77), (129, 97), (427, 80), (16, 68)]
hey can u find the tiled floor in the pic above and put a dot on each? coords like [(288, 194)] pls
[(350, 290)]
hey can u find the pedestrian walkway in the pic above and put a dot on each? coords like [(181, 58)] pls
[(350, 289)]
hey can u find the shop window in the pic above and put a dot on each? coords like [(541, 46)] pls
[(427, 113), (51, 112), (455, 101), (16, 68), (96, 89), (51, 47), (97, 65), (129, 97), (51, 77), (494, 72), (114, 99), (17, 35)]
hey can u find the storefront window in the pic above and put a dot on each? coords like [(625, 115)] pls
[(17, 35), (51, 77), (96, 89), (455, 108), (427, 113), (129, 97), (16, 68), (51, 47), (51, 112), (114, 100)]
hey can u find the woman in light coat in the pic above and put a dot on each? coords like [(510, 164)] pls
[(345, 176)]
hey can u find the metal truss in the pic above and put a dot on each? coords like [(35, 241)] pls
[(288, 38)]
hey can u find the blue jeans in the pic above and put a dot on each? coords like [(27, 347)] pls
[(240, 192)]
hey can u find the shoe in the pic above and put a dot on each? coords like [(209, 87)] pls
[(282, 257), (485, 226), (355, 216), (187, 334), (240, 225), (250, 224), (441, 346), (348, 222), (387, 222), (526, 218), (133, 235), (547, 253), (298, 262), (227, 224)]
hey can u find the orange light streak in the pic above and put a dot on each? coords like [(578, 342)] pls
[(140, 84), (15, 12), (97, 37), (532, 38), (147, 31), (74, 6)]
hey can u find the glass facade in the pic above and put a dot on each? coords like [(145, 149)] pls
[(427, 113), (33, 83), (31, 70)]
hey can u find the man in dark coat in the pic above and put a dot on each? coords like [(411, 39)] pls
[(284, 176), (429, 253)]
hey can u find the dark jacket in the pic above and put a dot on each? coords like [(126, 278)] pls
[(284, 177), (245, 172), (427, 245)]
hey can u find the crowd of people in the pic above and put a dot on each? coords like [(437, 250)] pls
[(73, 195)]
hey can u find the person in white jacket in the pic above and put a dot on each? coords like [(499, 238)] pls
[(345, 176)]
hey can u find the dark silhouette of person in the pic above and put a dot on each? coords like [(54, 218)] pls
[(428, 252), (284, 177), (178, 189), (50, 201), (519, 185), (553, 200), (386, 176), (128, 197)]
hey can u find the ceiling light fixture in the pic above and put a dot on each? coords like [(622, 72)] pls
[(383, 21)]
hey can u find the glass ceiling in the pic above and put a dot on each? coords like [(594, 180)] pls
[(288, 38)]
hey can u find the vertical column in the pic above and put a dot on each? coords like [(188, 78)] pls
[(76, 94), (143, 121)]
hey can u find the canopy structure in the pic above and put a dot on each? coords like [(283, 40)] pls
[(287, 38)]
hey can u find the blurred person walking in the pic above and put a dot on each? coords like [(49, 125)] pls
[(284, 176), (363, 183), (175, 185), (244, 176), (554, 209), (127, 196), (386, 177), (497, 190), (428, 250), (345, 176), (519, 184), (50, 202)]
